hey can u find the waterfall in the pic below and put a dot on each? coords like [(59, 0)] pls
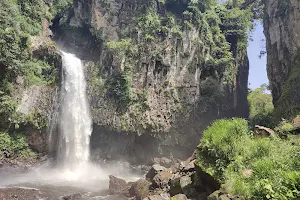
[(75, 125)]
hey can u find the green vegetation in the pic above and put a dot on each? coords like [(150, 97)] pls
[(14, 146), (119, 87), (19, 21), (221, 36), (285, 129), (61, 7), (261, 107), (256, 168)]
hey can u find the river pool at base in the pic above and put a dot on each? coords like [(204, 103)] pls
[(55, 183)]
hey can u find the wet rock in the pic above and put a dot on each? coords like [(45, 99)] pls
[(187, 187), (37, 141), (155, 169), (44, 158), (158, 197), (162, 179), (175, 187), (214, 196), (193, 157), (188, 166), (179, 197), (21, 194), (207, 180), (73, 197), (140, 189), (174, 168), (165, 195), (165, 162), (118, 186)]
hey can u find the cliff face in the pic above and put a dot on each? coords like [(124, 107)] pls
[(158, 72), (282, 27), (157, 77)]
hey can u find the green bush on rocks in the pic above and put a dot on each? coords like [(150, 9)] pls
[(256, 168), (14, 146)]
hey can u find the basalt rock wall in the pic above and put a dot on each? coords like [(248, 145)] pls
[(152, 88)]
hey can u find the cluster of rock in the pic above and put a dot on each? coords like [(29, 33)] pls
[(183, 180)]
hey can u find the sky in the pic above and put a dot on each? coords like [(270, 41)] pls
[(258, 72)]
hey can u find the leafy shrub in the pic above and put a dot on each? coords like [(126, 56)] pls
[(219, 145), (38, 73), (60, 7), (284, 128), (19, 20), (14, 146), (261, 107), (119, 87), (228, 149)]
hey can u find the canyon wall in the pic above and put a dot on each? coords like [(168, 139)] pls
[(158, 72), (282, 28), (156, 76)]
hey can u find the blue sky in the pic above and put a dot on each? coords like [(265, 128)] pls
[(258, 72)]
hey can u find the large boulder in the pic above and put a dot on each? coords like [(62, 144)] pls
[(118, 186), (187, 186), (188, 166), (140, 189), (210, 183), (155, 169), (175, 187), (158, 197), (162, 179), (261, 131), (175, 168), (179, 197)]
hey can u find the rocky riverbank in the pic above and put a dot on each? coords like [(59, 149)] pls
[(181, 181), (164, 180)]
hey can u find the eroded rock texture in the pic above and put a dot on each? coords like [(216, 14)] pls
[(282, 27), (153, 82)]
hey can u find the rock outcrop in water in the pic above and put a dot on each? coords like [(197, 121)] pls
[(281, 27), (183, 180)]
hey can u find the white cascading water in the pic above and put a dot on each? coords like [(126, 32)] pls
[(73, 174), (75, 118), (75, 126)]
